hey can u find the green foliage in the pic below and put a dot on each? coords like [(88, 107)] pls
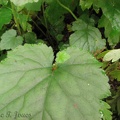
[(35, 6), (86, 37), (54, 11), (62, 57), (113, 55), (3, 2), (115, 103), (23, 21), (86, 4), (5, 16), (30, 37), (116, 74), (111, 10), (60, 79), (52, 89), (112, 34), (9, 40)]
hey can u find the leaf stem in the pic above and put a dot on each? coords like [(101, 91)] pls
[(15, 18), (46, 25), (67, 9), (44, 16), (38, 27)]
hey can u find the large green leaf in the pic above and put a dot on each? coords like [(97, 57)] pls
[(9, 40), (23, 2), (86, 37), (72, 89), (5, 16)]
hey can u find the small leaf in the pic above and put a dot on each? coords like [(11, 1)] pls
[(105, 113), (62, 57), (5, 16), (23, 21), (30, 37), (86, 4), (86, 37), (9, 40), (102, 54), (113, 55), (115, 74)]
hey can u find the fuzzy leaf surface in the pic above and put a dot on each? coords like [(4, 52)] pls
[(9, 40), (28, 84), (86, 37), (5, 16)]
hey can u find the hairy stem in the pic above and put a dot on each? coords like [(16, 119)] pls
[(67, 9)]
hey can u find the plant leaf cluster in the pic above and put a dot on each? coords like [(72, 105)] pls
[(59, 59)]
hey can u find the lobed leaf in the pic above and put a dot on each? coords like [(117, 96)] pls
[(110, 33), (86, 37), (111, 10), (9, 40), (28, 84)]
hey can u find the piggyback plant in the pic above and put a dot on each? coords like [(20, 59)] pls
[(49, 68)]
